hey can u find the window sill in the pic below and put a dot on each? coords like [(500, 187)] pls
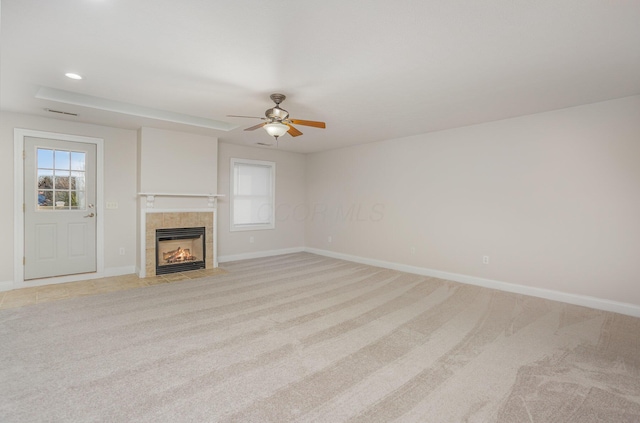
[(242, 228)]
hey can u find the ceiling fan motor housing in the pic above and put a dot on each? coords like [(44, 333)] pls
[(276, 114)]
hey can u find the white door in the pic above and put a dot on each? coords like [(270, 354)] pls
[(59, 208)]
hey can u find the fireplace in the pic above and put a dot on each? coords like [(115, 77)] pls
[(180, 249), (168, 219)]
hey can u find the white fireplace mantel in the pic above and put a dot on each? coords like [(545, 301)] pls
[(151, 197)]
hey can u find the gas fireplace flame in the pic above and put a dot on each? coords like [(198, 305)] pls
[(178, 255)]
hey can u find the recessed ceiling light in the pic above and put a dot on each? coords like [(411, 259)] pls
[(72, 75)]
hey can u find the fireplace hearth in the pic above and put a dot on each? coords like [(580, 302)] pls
[(180, 249)]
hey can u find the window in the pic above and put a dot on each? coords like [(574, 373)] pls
[(252, 194), (61, 179)]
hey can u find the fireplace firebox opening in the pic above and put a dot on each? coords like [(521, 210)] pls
[(180, 250)]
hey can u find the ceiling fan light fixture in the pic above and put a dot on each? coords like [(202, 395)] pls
[(276, 129)]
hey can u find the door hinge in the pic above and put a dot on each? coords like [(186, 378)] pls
[(24, 261), (24, 155), (24, 208)]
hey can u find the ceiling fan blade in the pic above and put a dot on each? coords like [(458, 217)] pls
[(251, 117), (293, 131), (253, 128), (308, 123)]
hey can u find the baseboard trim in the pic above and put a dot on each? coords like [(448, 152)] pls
[(119, 271), (108, 272), (6, 286), (259, 254), (581, 300)]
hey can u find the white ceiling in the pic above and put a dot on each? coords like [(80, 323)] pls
[(372, 70)]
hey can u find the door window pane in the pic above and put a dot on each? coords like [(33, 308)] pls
[(45, 198), (62, 160), (77, 181), (45, 158), (77, 161), (45, 179), (62, 200), (62, 179), (78, 200)]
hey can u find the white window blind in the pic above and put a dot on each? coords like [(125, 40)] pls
[(253, 194)]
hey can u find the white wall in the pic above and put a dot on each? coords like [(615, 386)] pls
[(119, 186), (177, 162), (553, 199), (288, 234)]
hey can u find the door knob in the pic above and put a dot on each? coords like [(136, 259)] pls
[(90, 215)]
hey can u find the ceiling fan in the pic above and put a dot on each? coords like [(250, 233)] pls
[(277, 121)]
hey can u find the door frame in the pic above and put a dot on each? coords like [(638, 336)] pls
[(19, 135)]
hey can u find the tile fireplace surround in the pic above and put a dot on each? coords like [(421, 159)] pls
[(187, 219)]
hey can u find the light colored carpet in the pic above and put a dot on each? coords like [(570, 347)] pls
[(304, 338)]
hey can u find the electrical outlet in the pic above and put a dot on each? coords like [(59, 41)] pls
[(122, 251), (251, 240), (329, 239), (485, 259), (413, 251)]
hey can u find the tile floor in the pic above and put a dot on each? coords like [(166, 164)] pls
[(45, 293)]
